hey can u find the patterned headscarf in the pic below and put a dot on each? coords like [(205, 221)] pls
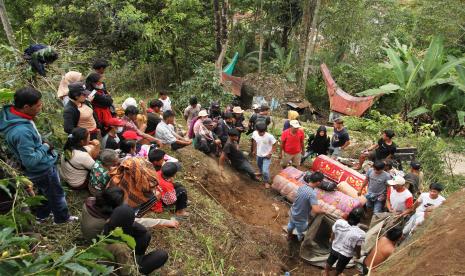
[(137, 178)]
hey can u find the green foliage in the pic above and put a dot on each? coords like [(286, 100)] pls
[(431, 152), (204, 85), (375, 123)]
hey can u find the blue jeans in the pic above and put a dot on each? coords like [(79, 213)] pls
[(48, 184), (300, 226), (263, 164), (374, 203)]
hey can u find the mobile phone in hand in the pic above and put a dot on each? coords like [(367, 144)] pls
[(92, 93)]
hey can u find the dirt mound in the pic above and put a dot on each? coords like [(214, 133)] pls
[(272, 86), (438, 248)]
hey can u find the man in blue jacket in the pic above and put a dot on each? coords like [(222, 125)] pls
[(37, 157)]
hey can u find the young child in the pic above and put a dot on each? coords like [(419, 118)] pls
[(264, 145), (165, 100), (347, 240)]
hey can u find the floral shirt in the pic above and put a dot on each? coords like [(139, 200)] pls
[(99, 177)]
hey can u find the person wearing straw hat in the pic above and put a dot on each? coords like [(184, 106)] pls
[(292, 145), (399, 198), (238, 114)]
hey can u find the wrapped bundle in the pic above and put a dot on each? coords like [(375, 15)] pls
[(338, 172), (338, 200)]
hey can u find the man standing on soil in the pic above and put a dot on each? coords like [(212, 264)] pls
[(382, 250), (340, 140), (292, 145), (232, 152), (37, 157), (347, 239), (263, 146), (376, 179), (305, 203)]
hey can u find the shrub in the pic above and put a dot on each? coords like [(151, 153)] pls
[(376, 122)]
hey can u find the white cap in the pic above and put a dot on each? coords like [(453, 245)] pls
[(129, 102), (238, 110), (255, 106), (203, 113), (295, 124), (397, 180)]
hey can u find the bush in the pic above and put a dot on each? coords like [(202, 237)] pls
[(205, 85), (375, 123)]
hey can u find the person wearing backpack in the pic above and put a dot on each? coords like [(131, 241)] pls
[(36, 156)]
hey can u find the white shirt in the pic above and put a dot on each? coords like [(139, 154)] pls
[(398, 199), (427, 201), (346, 238), (166, 104), (264, 143)]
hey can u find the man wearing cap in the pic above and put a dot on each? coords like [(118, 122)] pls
[(414, 179), (292, 145), (398, 199), (165, 132), (238, 114), (261, 116), (340, 139), (78, 111), (207, 141), (111, 139)]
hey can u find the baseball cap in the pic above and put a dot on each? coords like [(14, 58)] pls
[(78, 87), (295, 124), (203, 113), (255, 106), (129, 102), (115, 122), (131, 135), (415, 165), (397, 180)]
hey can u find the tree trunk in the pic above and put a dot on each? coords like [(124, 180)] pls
[(310, 46), (216, 9), (224, 36), (307, 16), (7, 26), (285, 37), (260, 49)]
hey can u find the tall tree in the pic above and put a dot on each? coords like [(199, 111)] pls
[(7, 26), (217, 16), (224, 35), (312, 36)]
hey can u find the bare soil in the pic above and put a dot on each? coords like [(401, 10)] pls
[(438, 248), (263, 212)]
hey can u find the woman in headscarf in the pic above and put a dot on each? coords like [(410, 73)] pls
[(102, 102), (138, 179), (124, 217), (68, 78), (317, 143), (291, 115)]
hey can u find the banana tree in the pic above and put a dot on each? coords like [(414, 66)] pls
[(426, 82)]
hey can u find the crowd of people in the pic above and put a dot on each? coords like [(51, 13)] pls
[(117, 154)]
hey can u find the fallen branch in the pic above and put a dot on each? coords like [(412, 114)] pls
[(205, 189)]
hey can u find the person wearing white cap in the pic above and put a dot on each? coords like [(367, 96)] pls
[(292, 145), (399, 198), (239, 116), (203, 114), (129, 102)]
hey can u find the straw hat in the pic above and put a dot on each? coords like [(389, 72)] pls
[(237, 110)]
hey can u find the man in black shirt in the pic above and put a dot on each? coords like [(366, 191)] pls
[(262, 116), (232, 152), (340, 139), (384, 149), (153, 116)]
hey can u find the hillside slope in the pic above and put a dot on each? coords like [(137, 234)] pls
[(438, 248)]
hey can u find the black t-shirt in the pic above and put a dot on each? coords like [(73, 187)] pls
[(152, 121), (232, 151), (384, 150), (340, 138)]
